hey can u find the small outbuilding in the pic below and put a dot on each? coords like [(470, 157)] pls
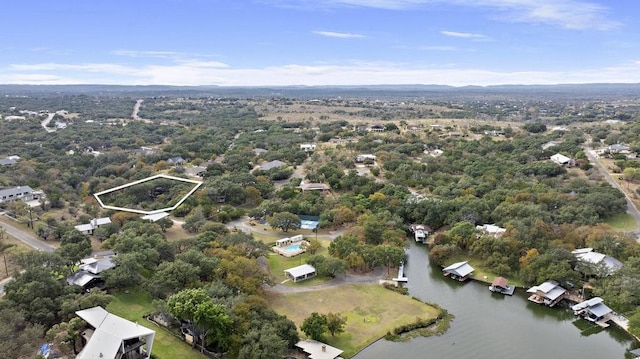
[(318, 350), (460, 271), (301, 272), (548, 293), (593, 310), (500, 285)]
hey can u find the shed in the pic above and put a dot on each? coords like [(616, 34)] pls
[(301, 272)]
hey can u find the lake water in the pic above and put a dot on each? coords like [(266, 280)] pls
[(489, 325)]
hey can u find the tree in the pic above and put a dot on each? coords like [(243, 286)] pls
[(315, 326), (262, 343), (164, 223), (335, 323), (284, 221), (18, 337), (313, 246)]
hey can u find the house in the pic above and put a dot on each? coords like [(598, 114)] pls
[(7, 162), (548, 293), (88, 274), (491, 229), (113, 337), (377, 128), (176, 160), (155, 217), (618, 148), (366, 158), (420, 232), (23, 193), (145, 151), (500, 285), (318, 350), (550, 144), (590, 257), (272, 164), (92, 225), (562, 160), (593, 310), (460, 271), (307, 186), (308, 147), (301, 272)]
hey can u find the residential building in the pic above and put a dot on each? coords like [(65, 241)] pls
[(593, 310), (23, 193), (272, 164), (588, 256), (317, 350), (491, 230), (89, 272), (92, 225), (308, 147), (300, 272), (113, 337), (562, 160)]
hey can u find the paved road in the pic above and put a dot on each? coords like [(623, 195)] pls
[(631, 208), (27, 238)]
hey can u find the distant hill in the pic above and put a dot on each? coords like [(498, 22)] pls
[(567, 91)]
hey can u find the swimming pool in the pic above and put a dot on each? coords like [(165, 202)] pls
[(292, 248)]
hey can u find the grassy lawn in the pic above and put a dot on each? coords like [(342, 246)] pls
[(370, 309), (132, 306), (481, 273), (622, 222)]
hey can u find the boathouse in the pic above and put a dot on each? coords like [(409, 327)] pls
[(593, 310), (548, 293), (460, 271), (500, 285)]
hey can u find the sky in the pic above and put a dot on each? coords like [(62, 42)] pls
[(319, 42)]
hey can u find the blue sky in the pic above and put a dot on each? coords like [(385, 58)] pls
[(319, 42)]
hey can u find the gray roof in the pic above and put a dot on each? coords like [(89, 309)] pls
[(15, 190), (273, 164), (551, 289), (594, 305), (98, 266), (110, 331), (81, 278), (461, 269), (6, 161)]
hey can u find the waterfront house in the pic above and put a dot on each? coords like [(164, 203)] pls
[(113, 337), (500, 285), (594, 262), (420, 232), (460, 271), (593, 310), (548, 293), (301, 272)]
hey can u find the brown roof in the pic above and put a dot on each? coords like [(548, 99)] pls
[(499, 282)]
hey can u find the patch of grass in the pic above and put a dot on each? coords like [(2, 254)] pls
[(371, 311), (136, 303), (278, 263), (622, 222)]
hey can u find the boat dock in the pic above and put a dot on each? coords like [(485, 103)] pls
[(401, 277)]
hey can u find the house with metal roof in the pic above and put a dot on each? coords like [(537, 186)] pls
[(460, 271), (548, 293), (272, 164), (587, 257), (561, 159), (491, 229), (92, 225), (593, 310), (23, 193), (89, 272), (113, 337), (301, 272), (318, 350)]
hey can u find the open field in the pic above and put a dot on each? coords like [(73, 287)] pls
[(370, 309), (622, 222), (132, 306)]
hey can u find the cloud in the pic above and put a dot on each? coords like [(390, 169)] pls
[(352, 73), (154, 54), (464, 35), (569, 14), (340, 35)]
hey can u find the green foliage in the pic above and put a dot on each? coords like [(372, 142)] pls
[(18, 337), (315, 326), (284, 221)]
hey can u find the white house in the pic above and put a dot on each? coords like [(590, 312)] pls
[(318, 350), (593, 310), (561, 159), (308, 147), (92, 225), (548, 293), (114, 337), (491, 229), (23, 193)]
